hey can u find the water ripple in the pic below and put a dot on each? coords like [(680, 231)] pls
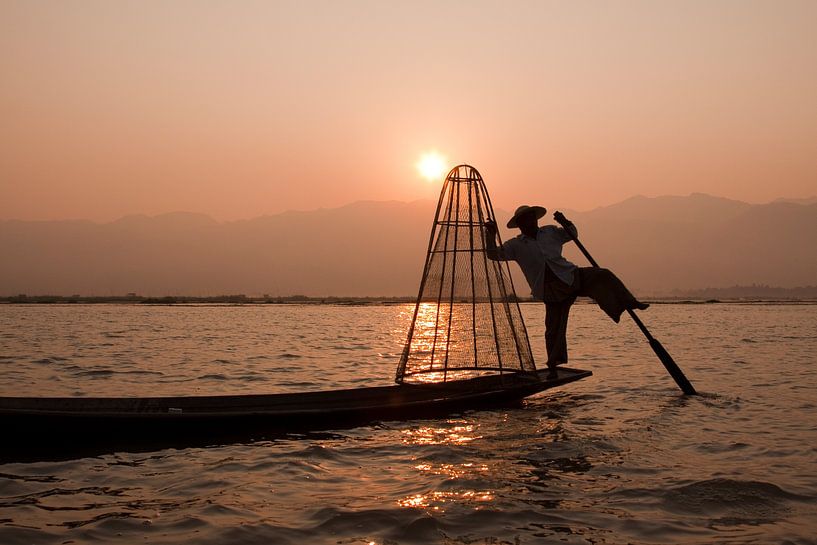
[(617, 458)]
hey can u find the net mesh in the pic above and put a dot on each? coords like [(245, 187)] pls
[(467, 321)]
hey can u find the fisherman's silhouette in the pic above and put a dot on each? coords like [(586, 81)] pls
[(555, 280)]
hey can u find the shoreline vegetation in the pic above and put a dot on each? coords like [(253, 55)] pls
[(737, 294)]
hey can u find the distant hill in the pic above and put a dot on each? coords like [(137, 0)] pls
[(656, 245), (701, 241), (806, 200)]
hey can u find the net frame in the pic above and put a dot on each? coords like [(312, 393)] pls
[(444, 287)]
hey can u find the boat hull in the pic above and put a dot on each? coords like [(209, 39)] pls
[(29, 423)]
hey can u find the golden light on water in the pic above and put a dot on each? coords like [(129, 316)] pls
[(458, 471), (432, 166), (436, 500), (430, 343), (455, 433)]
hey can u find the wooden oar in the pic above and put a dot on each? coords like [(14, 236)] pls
[(670, 365)]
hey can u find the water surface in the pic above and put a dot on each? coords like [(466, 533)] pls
[(620, 457)]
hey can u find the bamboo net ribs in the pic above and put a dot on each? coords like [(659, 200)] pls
[(467, 321)]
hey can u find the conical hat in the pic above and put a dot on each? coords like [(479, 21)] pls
[(524, 209)]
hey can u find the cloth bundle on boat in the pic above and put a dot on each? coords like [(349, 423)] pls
[(467, 321)]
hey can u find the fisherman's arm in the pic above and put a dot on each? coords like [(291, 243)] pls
[(494, 252)]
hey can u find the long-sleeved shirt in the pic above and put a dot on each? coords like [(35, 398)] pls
[(534, 254)]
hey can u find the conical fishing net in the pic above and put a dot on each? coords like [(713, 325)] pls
[(467, 321)]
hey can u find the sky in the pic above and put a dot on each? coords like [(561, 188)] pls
[(238, 109)]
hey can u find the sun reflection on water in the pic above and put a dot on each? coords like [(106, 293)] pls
[(458, 434), (428, 340), (453, 470), (436, 501)]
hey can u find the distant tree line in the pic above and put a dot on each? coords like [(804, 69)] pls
[(238, 299), (754, 291)]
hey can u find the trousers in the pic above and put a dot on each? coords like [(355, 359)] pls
[(601, 285)]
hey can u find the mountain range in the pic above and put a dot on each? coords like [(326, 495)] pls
[(370, 248)]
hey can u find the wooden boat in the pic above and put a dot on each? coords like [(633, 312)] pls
[(33, 418), (38, 428)]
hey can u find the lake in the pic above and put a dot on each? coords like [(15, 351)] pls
[(620, 457)]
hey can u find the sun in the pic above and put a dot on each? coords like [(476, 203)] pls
[(431, 166)]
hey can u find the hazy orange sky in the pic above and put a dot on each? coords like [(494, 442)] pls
[(238, 109)]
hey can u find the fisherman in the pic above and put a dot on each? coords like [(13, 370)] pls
[(555, 280)]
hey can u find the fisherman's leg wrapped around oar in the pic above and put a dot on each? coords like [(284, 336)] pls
[(607, 291)]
